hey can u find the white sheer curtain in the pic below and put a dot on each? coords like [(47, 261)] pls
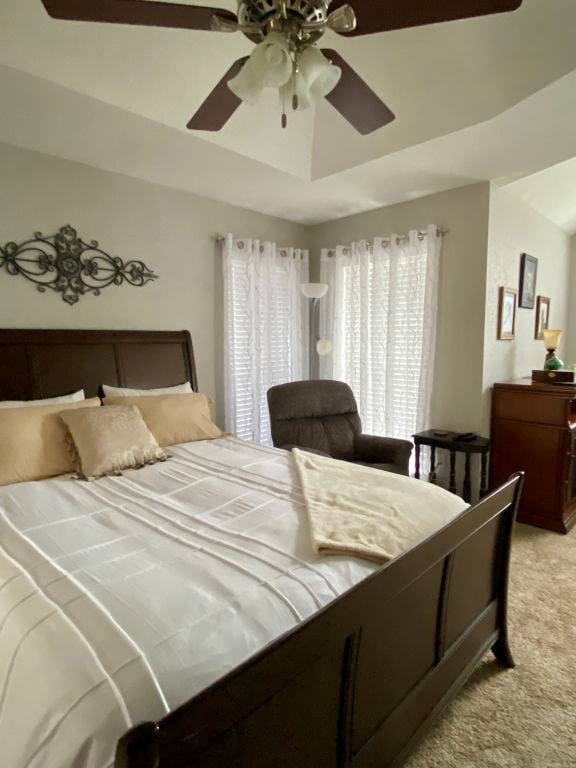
[(380, 313), (266, 329)]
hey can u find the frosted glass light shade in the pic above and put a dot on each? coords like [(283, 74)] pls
[(269, 66), (324, 347), (272, 62), (314, 290), (320, 75), (343, 19), (247, 85), (552, 338)]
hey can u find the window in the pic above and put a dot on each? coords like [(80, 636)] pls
[(381, 316), (266, 327)]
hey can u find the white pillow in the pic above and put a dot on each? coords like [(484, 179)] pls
[(77, 397), (179, 389)]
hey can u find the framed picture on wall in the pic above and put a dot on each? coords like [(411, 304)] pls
[(528, 274), (507, 314), (542, 316)]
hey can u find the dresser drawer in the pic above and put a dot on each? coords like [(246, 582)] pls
[(531, 406)]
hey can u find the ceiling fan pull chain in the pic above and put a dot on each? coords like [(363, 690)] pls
[(284, 115), (295, 81)]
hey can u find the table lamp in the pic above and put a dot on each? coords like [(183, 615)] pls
[(552, 342)]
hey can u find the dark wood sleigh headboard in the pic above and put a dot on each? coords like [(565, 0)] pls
[(47, 363)]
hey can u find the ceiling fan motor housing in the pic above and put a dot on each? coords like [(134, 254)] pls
[(260, 14)]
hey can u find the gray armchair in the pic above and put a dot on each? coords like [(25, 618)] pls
[(322, 417)]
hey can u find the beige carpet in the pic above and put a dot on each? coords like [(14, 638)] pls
[(526, 717)]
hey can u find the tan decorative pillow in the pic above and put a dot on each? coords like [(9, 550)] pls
[(111, 439), (33, 442), (174, 418)]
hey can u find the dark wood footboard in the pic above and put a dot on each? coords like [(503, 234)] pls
[(361, 682)]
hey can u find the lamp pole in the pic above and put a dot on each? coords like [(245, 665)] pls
[(314, 292)]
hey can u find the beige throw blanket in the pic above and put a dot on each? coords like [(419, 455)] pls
[(367, 512)]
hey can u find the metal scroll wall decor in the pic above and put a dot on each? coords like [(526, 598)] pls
[(65, 263)]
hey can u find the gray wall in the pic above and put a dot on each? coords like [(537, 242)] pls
[(171, 231), (570, 343), (516, 228)]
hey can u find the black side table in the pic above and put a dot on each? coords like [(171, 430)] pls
[(447, 441)]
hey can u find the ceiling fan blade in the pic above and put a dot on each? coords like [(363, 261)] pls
[(141, 12), (355, 100), (220, 104), (386, 15)]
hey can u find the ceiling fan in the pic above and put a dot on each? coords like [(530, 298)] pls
[(286, 56)]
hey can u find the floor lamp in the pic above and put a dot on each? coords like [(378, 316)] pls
[(314, 292)]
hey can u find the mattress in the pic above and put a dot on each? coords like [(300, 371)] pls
[(122, 598)]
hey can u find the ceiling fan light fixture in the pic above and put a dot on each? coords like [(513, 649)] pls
[(247, 85), (319, 74), (272, 59), (269, 66), (342, 20)]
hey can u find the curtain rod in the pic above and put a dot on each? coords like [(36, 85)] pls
[(420, 234), (442, 231)]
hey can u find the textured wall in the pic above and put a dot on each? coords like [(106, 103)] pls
[(570, 341), (171, 231), (517, 228)]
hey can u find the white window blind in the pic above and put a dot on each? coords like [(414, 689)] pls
[(266, 328), (381, 315)]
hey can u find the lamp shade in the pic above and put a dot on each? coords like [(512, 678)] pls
[(269, 66), (247, 85), (552, 338), (314, 290), (320, 75), (343, 20), (324, 347)]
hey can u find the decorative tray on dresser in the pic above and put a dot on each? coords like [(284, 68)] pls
[(534, 430)]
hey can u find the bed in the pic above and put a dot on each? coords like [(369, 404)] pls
[(362, 659)]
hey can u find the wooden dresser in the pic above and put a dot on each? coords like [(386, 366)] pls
[(533, 429)]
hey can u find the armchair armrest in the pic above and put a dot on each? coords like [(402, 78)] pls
[(290, 446), (383, 450)]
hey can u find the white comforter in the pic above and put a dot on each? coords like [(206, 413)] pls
[(122, 598)]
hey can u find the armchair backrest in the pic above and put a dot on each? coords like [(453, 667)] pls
[(318, 414)]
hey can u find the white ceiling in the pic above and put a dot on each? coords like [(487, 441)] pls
[(478, 99), (552, 192)]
